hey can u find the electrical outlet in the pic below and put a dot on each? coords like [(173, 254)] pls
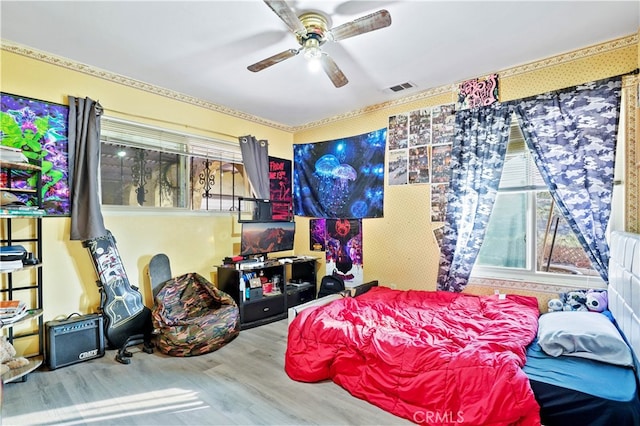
[(393, 286)]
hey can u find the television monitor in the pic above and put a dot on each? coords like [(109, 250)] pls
[(262, 238)]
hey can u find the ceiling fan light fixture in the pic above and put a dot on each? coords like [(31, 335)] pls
[(314, 64), (312, 50)]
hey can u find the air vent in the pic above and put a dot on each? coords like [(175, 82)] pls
[(401, 87)]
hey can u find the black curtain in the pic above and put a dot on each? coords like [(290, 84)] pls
[(84, 165), (255, 157)]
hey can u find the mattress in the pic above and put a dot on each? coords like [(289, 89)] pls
[(579, 391)]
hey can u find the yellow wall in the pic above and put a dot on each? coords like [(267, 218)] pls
[(399, 248), (193, 242)]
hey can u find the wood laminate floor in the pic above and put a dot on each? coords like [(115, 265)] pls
[(243, 383)]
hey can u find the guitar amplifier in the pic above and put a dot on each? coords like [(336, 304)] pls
[(75, 339)]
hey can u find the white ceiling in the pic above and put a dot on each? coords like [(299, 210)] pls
[(202, 48)]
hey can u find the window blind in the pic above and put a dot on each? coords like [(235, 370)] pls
[(121, 132), (520, 172)]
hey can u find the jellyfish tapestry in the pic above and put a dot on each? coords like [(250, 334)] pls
[(343, 178), (344, 250)]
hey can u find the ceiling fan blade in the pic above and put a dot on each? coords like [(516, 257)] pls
[(265, 63), (331, 68), (372, 22), (288, 16)]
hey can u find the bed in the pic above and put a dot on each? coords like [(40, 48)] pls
[(451, 358), (600, 387), (430, 357)]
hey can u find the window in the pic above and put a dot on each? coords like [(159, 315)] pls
[(143, 166), (526, 234), (216, 184), (134, 176)]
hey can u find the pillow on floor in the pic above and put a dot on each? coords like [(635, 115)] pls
[(583, 334)]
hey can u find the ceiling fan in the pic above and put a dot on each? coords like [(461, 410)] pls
[(312, 31)]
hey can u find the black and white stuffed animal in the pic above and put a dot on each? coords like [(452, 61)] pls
[(579, 300)]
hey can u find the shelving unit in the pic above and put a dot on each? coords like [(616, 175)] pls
[(301, 281), (25, 283), (259, 309)]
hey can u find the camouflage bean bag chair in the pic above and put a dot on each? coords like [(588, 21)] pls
[(192, 317)]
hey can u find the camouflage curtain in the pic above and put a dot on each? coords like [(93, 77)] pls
[(572, 135), (477, 157)]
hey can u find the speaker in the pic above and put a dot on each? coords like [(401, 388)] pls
[(74, 340)]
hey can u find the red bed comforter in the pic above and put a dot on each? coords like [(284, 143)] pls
[(430, 357)]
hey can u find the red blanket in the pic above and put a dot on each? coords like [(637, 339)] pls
[(430, 357)]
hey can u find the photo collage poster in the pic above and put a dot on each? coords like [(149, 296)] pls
[(420, 145)]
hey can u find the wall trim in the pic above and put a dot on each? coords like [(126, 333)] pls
[(597, 49), (563, 58), (136, 84), (12, 47), (631, 87)]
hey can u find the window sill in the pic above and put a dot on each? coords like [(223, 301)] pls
[(161, 211), (544, 282)]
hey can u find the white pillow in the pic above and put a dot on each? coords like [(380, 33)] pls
[(583, 334)]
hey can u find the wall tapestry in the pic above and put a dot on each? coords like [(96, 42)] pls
[(420, 145), (280, 188), (317, 234), (478, 92), (343, 178), (344, 250), (40, 129)]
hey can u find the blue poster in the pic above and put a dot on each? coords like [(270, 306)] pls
[(340, 179)]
